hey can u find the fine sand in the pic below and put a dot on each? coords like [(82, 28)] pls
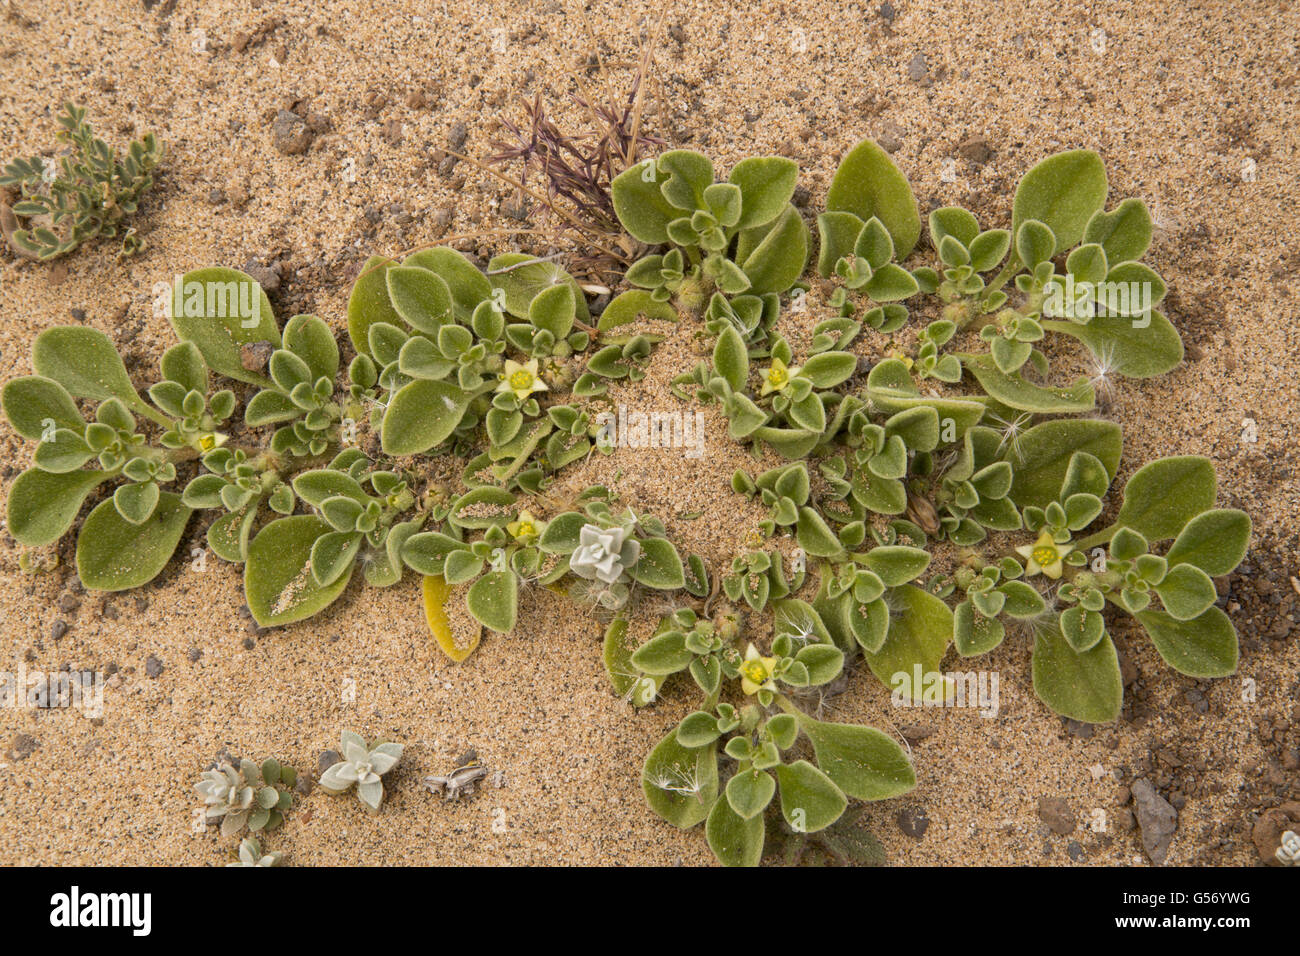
[(1192, 106)]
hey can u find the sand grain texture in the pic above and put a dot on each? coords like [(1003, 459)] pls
[(1191, 105)]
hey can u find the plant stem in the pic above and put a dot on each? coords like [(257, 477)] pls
[(1101, 537), (1009, 271)]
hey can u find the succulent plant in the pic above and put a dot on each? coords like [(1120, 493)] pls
[(604, 554), (250, 854), (246, 796), (362, 766)]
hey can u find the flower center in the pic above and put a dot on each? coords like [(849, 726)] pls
[(778, 376), (1045, 555), (521, 379), (755, 671)]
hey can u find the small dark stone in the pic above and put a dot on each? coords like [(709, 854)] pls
[(328, 759), (290, 134), (303, 785), (915, 733), (918, 71), (59, 629), (1157, 818), (913, 822), (249, 644), (1056, 813), (598, 304), (887, 12), (457, 137), (194, 655), (267, 276), (216, 196), (1075, 851), (254, 356), (152, 666), (23, 746), (976, 149)]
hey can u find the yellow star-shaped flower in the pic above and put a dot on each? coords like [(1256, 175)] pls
[(1045, 556), (522, 380), (525, 528), (777, 377), (756, 672)]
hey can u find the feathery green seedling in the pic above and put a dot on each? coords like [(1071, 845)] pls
[(90, 195)]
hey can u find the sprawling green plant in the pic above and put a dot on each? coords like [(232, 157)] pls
[(91, 194), (741, 236), (898, 465), (935, 489), (762, 732)]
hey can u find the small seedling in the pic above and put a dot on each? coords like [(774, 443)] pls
[(91, 194)]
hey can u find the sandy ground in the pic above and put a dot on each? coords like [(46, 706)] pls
[(1192, 107)]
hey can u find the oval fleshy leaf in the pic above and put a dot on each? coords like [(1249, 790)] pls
[(734, 840), (1063, 192), (85, 362), (42, 505), (1163, 496), (863, 762), (917, 640), (1215, 541), (368, 303), (680, 784), (219, 310), (1041, 457), (114, 555), (36, 406), (1085, 687), (421, 415), (278, 583), (1203, 647), (494, 601), (810, 800), (867, 183)]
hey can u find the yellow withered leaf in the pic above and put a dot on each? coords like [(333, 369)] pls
[(436, 592)]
